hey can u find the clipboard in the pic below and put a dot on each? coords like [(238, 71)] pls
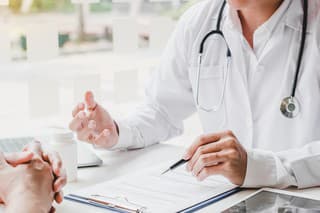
[(139, 209)]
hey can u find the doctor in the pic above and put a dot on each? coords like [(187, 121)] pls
[(256, 90)]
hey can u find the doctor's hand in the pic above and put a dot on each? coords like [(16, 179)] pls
[(217, 154), (93, 124)]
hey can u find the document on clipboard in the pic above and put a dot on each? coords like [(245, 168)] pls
[(149, 191)]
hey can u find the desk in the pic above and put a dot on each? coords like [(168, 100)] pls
[(121, 163)]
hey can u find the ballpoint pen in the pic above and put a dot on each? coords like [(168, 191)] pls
[(177, 164)]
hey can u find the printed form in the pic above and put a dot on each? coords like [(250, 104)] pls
[(153, 192)]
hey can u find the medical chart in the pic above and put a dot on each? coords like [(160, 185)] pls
[(171, 192)]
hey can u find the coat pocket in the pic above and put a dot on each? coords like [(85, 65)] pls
[(208, 91), (209, 95)]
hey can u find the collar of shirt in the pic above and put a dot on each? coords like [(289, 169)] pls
[(263, 33)]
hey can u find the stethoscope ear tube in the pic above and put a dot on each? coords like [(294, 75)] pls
[(301, 50), (290, 106)]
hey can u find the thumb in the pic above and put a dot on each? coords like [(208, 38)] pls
[(3, 162), (90, 102), (19, 158)]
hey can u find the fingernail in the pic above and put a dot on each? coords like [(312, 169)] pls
[(59, 188), (186, 156), (62, 195), (37, 164)]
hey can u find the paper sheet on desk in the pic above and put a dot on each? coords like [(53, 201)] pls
[(171, 192)]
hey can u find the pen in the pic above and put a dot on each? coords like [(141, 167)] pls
[(177, 164)]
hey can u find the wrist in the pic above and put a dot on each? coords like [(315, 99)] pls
[(26, 204), (124, 139), (22, 200)]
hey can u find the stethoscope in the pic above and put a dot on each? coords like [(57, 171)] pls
[(290, 106)]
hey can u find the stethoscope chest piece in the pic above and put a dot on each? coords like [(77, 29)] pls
[(290, 107)]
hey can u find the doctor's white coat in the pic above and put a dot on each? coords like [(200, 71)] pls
[(281, 151)]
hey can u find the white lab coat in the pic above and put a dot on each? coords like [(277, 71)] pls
[(281, 152)]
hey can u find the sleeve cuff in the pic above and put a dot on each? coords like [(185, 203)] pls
[(261, 169), (125, 136), (306, 173)]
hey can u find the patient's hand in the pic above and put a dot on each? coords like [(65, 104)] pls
[(55, 162), (26, 187)]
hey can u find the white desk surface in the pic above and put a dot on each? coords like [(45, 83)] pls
[(121, 163)]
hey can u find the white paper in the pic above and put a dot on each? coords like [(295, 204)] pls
[(171, 192)]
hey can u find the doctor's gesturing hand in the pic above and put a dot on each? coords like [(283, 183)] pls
[(93, 124), (217, 154)]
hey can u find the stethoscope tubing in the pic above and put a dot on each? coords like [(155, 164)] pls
[(219, 32)]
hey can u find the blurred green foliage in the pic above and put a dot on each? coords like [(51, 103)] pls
[(59, 6), (177, 13), (102, 6), (15, 5), (52, 5)]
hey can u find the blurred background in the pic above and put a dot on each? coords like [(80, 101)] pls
[(52, 51)]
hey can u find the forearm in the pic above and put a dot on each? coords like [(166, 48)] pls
[(27, 204), (144, 128), (296, 167), (265, 169)]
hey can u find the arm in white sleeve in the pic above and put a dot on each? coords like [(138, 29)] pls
[(169, 98), (296, 167)]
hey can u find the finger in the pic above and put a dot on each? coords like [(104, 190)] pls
[(79, 122), (52, 210), (208, 171), (90, 102), (91, 135), (202, 140), (86, 135), (102, 138), (35, 148), (92, 114), (204, 149), (59, 197), (207, 160), (17, 158), (37, 164), (55, 161), (3, 162), (77, 109), (60, 182)]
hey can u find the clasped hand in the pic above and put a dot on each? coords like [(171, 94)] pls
[(31, 180)]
